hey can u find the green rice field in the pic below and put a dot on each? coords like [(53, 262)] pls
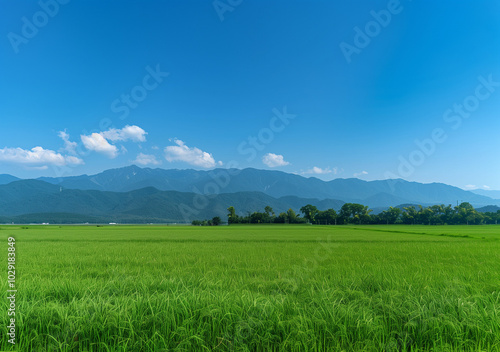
[(253, 288)]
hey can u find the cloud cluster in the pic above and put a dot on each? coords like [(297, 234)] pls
[(133, 133), (104, 143), (274, 160), (474, 187), (192, 156), (362, 173), (37, 156), (146, 159), (99, 142), (319, 171), (69, 146)]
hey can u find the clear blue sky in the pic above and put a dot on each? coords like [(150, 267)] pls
[(361, 91)]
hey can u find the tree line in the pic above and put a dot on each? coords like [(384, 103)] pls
[(215, 221), (353, 213)]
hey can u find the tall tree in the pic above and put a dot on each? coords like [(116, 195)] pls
[(310, 212), (355, 213), (327, 217), (269, 211), (216, 221), (391, 215), (292, 217), (409, 215), (231, 217), (465, 213)]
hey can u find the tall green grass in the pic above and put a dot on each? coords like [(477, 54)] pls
[(255, 288)]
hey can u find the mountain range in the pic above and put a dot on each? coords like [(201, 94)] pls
[(134, 194), (487, 193), (44, 201)]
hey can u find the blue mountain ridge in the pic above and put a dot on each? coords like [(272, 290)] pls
[(134, 194), (276, 184)]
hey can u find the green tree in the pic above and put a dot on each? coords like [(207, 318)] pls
[(257, 218), (231, 217), (465, 213), (282, 218), (310, 212), (391, 215), (409, 215), (292, 217), (269, 214), (216, 221), (425, 215), (437, 214), (448, 214), (269, 211), (327, 217), (355, 213)]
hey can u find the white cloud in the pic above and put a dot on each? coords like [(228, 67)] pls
[(38, 168), (362, 173), (145, 159), (99, 144), (193, 156), (69, 146), (319, 171), (474, 187), (274, 160), (133, 133), (37, 156)]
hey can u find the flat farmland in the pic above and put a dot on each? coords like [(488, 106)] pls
[(254, 288)]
